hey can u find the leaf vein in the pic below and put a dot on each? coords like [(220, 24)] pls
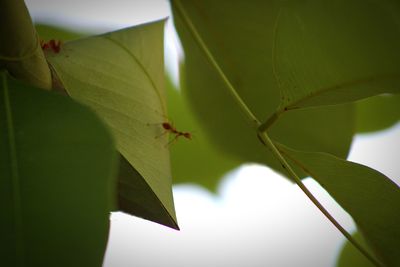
[(144, 71)]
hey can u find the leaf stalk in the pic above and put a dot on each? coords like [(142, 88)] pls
[(245, 109), (261, 129)]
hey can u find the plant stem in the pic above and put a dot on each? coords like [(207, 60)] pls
[(261, 129), (270, 121), (269, 143), (245, 109)]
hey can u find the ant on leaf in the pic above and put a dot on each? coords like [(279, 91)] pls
[(170, 128), (54, 45)]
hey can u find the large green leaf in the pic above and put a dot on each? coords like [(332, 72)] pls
[(243, 47), (121, 76), (372, 199), (57, 179), (334, 52), (350, 256), (188, 157), (185, 156), (377, 113)]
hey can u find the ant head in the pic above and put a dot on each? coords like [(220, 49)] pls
[(187, 135), (166, 125)]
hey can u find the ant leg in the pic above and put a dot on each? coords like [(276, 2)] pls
[(158, 136), (174, 139)]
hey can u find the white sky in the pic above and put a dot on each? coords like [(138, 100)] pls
[(257, 219)]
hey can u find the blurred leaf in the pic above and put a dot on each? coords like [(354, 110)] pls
[(371, 198), (121, 76), (350, 256), (377, 113), (243, 48), (335, 52), (57, 171), (48, 32), (188, 157)]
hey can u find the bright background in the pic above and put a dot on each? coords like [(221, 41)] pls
[(257, 218)]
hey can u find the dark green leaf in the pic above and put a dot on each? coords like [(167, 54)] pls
[(57, 179), (335, 52), (188, 157), (243, 48)]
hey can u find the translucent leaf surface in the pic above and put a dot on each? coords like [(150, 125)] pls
[(328, 53), (121, 76), (372, 199), (185, 156), (350, 256), (239, 34), (57, 179)]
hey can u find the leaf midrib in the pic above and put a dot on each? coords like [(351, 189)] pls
[(157, 91), (365, 80), (15, 178)]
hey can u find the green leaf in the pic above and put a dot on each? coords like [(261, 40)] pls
[(20, 51), (329, 53), (188, 157), (57, 171), (350, 256), (371, 198), (121, 76), (377, 113), (242, 47)]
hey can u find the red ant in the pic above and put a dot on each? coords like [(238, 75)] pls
[(54, 45), (168, 127)]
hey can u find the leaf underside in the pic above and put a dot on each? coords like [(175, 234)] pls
[(250, 70), (290, 60), (120, 75)]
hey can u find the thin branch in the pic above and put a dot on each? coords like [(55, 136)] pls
[(268, 142), (261, 129), (245, 109)]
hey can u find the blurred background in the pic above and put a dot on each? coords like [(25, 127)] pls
[(256, 218)]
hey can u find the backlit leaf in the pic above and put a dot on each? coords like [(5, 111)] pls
[(121, 76), (334, 52), (239, 34)]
